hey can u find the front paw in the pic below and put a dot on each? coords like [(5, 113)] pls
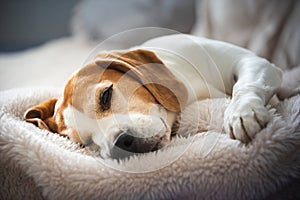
[(243, 119)]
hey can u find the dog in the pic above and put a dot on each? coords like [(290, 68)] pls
[(131, 98)]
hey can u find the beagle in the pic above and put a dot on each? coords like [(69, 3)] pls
[(130, 98)]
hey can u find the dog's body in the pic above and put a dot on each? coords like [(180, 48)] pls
[(213, 68), (131, 98)]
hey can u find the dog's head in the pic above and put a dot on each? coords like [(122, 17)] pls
[(121, 99)]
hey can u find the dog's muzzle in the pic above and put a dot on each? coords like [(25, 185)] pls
[(127, 144)]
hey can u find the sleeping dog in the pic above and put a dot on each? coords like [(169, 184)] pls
[(130, 98)]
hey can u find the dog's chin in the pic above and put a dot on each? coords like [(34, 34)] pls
[(110, 150), (119, 153)]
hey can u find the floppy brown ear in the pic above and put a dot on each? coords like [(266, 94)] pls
[(42, 115), (147, 68)]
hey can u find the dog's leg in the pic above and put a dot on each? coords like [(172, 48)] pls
[(256, 82)]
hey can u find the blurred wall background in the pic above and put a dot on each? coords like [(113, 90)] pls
[(25, 24)]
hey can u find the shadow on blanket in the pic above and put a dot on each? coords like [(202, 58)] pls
[(36, 164)]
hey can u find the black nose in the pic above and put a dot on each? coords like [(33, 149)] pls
[(127, 144)]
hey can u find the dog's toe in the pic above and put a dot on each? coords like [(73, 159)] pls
[(244, 122)]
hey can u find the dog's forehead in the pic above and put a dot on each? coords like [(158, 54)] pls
[(93, 73), (89, 73)]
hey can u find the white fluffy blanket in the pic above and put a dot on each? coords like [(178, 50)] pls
[(36, 164)]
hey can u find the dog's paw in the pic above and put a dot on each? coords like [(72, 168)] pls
[(243, 119)]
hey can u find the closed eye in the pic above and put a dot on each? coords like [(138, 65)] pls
[(105, 98)]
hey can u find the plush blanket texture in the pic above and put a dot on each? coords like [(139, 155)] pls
[(207, 164)]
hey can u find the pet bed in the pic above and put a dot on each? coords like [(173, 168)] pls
[(36, 164)]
